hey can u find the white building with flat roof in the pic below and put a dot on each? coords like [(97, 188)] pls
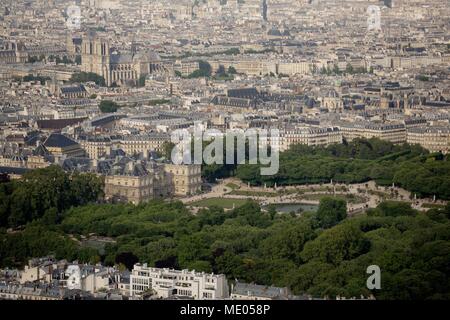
[(166, 283)]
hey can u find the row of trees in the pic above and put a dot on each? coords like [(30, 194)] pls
[(31, 77), (205, 71), (407, 166), (358, 161), (81, 77), (228, 52), (64, 59), (349, 69)]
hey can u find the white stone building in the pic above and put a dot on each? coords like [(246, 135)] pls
[(165, 283)]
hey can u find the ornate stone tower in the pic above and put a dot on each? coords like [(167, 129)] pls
[(95, 57)]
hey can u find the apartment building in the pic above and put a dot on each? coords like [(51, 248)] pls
[(393, 132), (135, 144), (292, 68), (251, 67), (30, 292), (185, 67), (12, 161), (38, 162), (434, 139), (166, 283), (310, 137), (97, 146), (40, 158)]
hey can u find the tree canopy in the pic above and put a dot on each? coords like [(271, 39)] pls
[(80, 77), (407, 166), (331, 211), (320, 254), (204, 70), (108, 106), (45, 193)]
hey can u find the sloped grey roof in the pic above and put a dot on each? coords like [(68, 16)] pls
[(73, 89), (259, 290), (57, 140), (121, 58), (41, 150)]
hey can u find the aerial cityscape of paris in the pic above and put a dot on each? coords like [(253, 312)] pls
[(226, 150)]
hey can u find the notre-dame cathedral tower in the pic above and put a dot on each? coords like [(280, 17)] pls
[(95, 57), (125, 68)]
